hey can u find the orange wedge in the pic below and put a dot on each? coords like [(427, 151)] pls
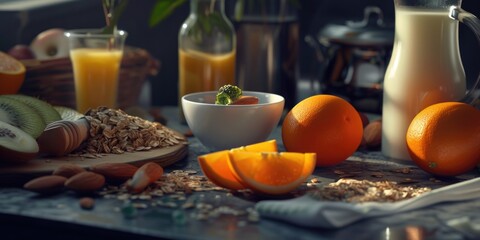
[(12, 74), (216, 168), (272, 173)]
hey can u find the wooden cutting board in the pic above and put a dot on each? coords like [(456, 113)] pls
[(19, 174)]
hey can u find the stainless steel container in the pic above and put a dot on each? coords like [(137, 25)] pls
[(267, 48)]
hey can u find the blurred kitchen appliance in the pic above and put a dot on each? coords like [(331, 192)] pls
[(353, 56), (267, 47)]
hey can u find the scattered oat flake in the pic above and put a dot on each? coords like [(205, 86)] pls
[(405, 170), (175, 184), (314, 180), (351, 190)]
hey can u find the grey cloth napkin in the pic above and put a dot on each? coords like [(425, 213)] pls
[(310, 212)]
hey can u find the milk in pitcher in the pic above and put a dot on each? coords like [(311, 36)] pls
[(425, 68)]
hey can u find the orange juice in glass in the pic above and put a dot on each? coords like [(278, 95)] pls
[(96, 60), (200, 71)]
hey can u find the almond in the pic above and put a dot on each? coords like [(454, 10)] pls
[(68, 170), (85, 182), (373, 134), (245, 100), (364, 117), (115, 172), (146, 174), (46, 184)]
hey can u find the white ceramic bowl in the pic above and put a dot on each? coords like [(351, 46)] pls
[(220, 127)]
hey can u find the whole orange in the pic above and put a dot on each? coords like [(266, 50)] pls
[(323, 124), (12, 74), (444, 138)]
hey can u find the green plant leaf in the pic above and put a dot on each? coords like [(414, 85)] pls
[(117, 12), (162, 9)]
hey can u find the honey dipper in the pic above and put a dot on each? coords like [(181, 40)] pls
[(62, 137)]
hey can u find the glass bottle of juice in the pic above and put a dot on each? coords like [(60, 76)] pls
[(206, 48)]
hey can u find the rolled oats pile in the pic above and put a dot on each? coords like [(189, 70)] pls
[(351, 190), (114, 131)]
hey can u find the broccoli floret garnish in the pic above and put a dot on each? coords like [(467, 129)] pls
[(228, 94)]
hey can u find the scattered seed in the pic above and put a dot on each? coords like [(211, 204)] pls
[(314, 180), (188, 205), (173, 191), (87, 203)]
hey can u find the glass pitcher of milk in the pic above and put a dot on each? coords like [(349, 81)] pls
[(425, 67)]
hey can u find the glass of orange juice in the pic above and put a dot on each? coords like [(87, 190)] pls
[(96, 59)]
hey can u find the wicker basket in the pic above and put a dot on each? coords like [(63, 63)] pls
[(52, 80)]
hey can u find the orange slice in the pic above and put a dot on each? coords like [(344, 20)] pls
[(216, 168), (267, 146), (12, 74), (272, 173)]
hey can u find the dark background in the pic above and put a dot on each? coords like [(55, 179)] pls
[(21, 26)]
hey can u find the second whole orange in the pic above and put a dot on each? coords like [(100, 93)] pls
[(444, 139), (323, 124)]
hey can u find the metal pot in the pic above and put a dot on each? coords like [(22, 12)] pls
[(353, 57)]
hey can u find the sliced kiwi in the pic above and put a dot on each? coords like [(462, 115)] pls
[(21, 116), (16, 145), (46, 111), (67, 113)]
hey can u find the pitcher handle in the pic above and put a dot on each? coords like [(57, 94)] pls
[(473, 23)]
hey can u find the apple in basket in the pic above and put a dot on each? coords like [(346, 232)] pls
[(51, 43), (21, 52)]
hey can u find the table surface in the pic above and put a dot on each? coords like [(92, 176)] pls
[(25, 214)]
